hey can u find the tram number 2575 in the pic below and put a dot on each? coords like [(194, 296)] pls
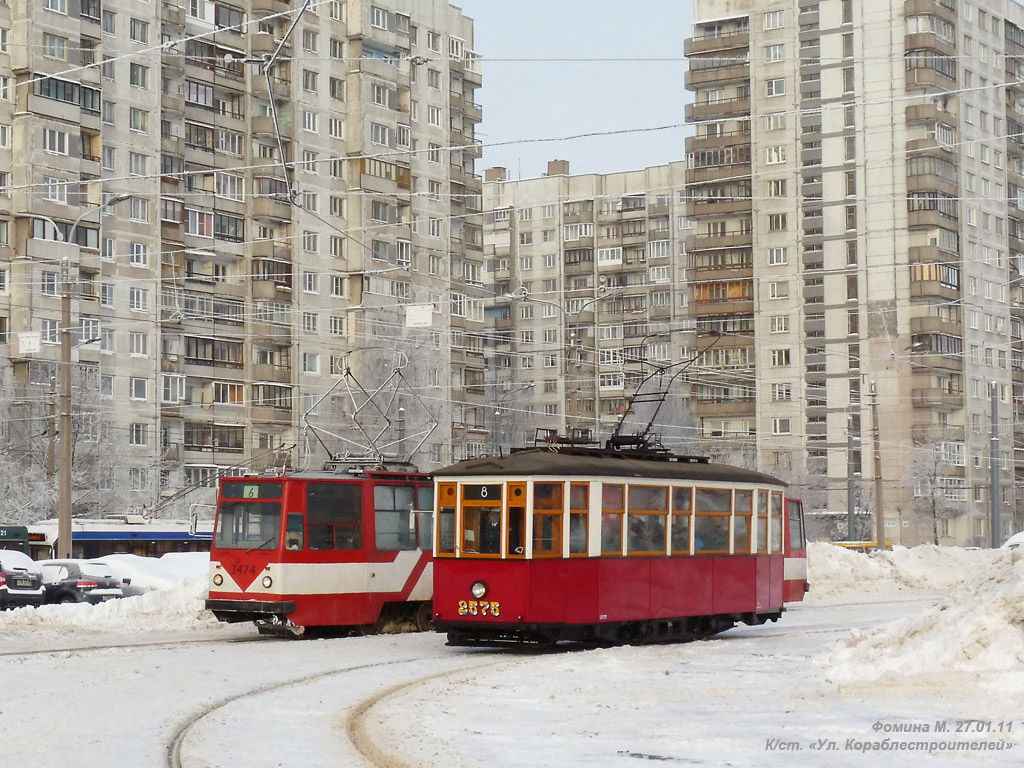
[(479, 608)]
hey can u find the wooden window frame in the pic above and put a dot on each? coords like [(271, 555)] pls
[(643, 514)]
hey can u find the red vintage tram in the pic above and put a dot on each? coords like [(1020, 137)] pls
[(301, 551), (610, 545)]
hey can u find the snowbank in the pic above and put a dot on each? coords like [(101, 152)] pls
[(837, 572), (978, 626), (180, 608)]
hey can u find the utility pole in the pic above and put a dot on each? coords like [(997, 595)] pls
[(879, 506), (51, 430), (64, 477), (995, 496), (850, 475), (64, 396)]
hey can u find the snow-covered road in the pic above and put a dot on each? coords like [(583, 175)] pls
[(140, 681)]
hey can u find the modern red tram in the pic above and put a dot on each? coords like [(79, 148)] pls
[(302, 551), (589, 544)]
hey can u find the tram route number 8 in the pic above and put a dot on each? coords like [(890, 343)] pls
[(481, 492), (479, 608)]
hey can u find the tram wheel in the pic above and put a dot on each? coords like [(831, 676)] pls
[(423, 617), (368, 630)]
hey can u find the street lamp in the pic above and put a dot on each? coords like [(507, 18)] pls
[(64, 474)]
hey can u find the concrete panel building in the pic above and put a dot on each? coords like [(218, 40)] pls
[(855, 167), (242, 201)]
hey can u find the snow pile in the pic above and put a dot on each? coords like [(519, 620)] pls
[(142, 574), (180, 608), (979, 628), (834, 571)]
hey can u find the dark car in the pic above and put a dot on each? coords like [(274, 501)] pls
[(74, 581), (21, 580)]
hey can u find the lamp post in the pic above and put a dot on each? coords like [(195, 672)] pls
[(64, 397)]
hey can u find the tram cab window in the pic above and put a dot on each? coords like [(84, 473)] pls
[(446, 519), (742, 511), (516, 526), (334, 515), (481, 519), (796, 533), (682, 511), (248, 525), (548, 508), (394, 517), (612, 508), (294, 538), (425, 516)]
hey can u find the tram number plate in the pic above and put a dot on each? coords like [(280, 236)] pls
[(242, 569), (479, 608)]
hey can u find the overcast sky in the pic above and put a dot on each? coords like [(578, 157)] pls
[(556, 69)]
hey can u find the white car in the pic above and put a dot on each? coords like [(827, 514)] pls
[(21, 580), (1014, 542)]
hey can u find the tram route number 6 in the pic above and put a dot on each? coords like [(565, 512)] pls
[(479, 608)]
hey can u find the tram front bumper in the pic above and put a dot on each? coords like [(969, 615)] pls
[(233, 611)]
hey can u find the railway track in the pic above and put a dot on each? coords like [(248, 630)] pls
[(181, 755)]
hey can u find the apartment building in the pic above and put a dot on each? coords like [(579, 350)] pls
[(855, 176), (589, 302), (243, 201)]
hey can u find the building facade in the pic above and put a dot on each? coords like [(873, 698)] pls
[(855, 175), (241, 201), (589, 302)]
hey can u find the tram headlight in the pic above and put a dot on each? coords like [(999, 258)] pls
[(479, 589), (217, 580), (267, 581)]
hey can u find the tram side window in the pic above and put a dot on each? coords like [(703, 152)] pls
[(613, 501), (742, 512), (796, 533), (762, 521), (394, 518), (775, 524), (446, 520), (579, 516), (711, 528), (248, 525), (648, 508), (334, 515), (682, 512), (425, 514), (548, 507)]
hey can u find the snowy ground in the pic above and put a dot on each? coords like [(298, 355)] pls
[(884, 644)]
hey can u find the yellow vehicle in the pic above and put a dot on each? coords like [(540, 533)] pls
[(861, 546)]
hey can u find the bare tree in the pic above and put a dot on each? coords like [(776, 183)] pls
[(936, 494)]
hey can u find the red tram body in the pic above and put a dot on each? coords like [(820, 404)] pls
[(571, 543), (302, 551)]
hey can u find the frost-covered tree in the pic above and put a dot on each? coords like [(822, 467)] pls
[(938, 493)]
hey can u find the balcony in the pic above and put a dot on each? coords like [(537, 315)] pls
[(719, 110), (697, 45), (939, 399), (266, 207)]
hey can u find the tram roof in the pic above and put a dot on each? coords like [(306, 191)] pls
[(583, 462)]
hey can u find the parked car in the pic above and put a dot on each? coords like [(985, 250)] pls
[(21, 580), (1015, 542), (78, 581)]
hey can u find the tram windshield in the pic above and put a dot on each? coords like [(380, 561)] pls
[(248, 525)]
